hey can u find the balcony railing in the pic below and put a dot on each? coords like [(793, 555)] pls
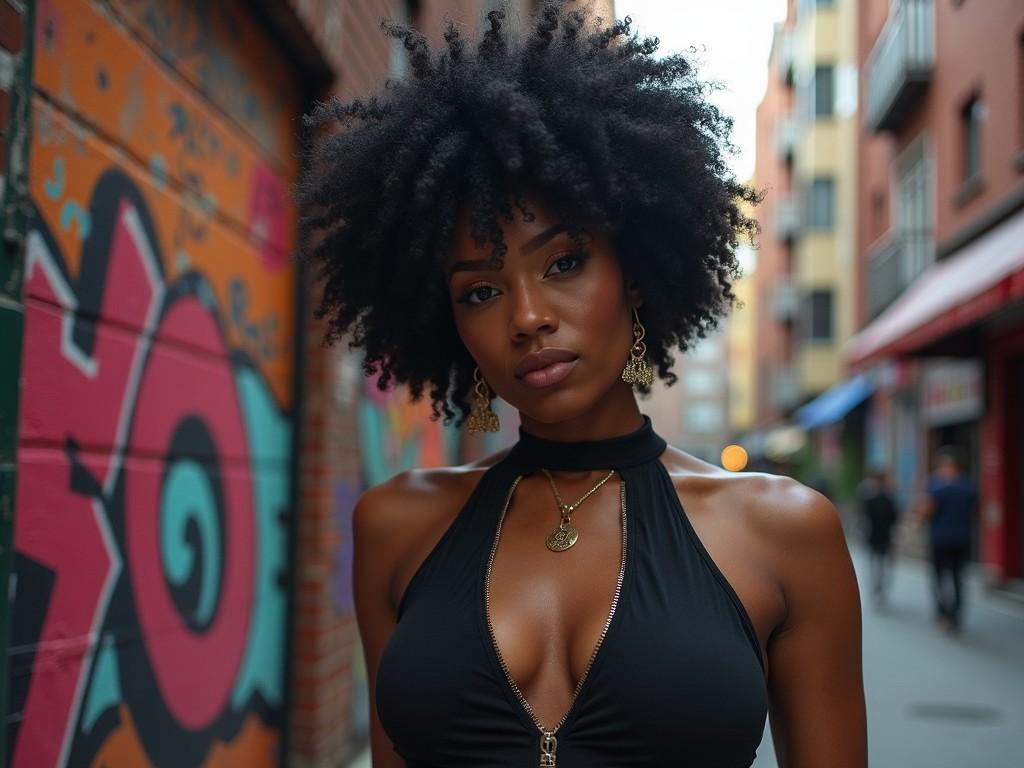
[(896, 264), (786, 300), (787, 219), (785, 57), (785, 138), (900, 65)]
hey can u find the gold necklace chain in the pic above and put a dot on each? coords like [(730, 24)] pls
[(565, 535)]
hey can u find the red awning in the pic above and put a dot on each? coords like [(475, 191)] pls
[(972, 283)]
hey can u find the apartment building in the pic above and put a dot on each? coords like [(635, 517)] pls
[(805, 164), (940, 249)]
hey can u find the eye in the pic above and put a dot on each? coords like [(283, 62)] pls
[(478, 294), (570, 262)]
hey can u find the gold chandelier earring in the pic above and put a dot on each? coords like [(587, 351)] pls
[(482, 418), (637, 371)]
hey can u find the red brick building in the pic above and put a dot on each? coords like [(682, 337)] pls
[(940, 240)]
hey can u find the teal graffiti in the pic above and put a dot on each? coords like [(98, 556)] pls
[(54, 187), (269, 438), (187, 495), (105, 689), (158, 170), (378, 463), (71, 212), (382, 457)]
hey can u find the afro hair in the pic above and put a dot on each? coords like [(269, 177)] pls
[(580, 114)]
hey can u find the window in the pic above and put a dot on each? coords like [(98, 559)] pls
[(821, 206), (913, 214), (823, 91), (805, 7), (971, 117), (703, 417), (398, 60), (701, 381), (707, 349), (818, 315)]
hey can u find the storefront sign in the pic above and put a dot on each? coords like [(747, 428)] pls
[(952, 392)]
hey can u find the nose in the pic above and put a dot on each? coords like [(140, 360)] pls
[(531, 315)]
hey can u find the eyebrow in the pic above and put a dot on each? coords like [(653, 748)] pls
[(531, 245)]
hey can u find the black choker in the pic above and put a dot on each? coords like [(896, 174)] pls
[(627, 450)]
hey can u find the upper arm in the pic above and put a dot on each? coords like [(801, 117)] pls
[(374, 562), (815, 683)]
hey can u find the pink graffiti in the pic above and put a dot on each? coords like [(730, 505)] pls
[(84, 397), (402, 421), (195, 670), (49, 26), (268, 209), (119, 403)]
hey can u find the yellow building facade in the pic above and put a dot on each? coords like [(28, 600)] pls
[(824, 50)]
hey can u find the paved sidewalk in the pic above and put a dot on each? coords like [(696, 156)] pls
[(936, 700)]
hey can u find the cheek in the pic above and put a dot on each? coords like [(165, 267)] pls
[(601, 312)]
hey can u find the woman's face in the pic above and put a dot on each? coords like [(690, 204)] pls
[(551, 329)]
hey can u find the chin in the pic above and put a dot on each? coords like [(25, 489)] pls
[(554, 406)]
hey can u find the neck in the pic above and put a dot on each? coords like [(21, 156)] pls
[(614, 414)]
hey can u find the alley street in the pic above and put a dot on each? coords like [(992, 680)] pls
[(939, 701)]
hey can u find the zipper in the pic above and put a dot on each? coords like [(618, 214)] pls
[(548, 741)]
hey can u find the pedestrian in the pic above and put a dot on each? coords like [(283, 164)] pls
[(879, 516), (546, 216), (948, 506)]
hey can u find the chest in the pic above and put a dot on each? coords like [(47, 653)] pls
[(625, 648), (549, 612)]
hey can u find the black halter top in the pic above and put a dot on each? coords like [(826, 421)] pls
[(677, 679)]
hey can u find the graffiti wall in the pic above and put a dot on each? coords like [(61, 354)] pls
[(148, 625)]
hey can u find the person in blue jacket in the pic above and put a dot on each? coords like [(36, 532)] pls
[(950, 503)]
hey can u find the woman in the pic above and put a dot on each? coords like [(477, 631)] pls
[(544, 218)]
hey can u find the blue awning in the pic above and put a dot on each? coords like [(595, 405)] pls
[(835, 403)]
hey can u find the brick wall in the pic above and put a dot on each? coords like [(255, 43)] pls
[(327, 684)]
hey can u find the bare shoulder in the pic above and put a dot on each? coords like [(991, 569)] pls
[(411, 492), (399, 521), (778, 508), (796, 534), (772, 524)]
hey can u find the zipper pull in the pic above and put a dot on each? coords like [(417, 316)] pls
[(548, 745)]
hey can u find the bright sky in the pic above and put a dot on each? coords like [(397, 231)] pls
[(733, 38)]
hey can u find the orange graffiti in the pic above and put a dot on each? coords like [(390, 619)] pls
[(223, 257), (256, 744)]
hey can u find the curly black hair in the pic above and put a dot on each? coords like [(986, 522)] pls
[(580, 114)]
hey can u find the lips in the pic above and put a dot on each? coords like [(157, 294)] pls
[(546, 367)]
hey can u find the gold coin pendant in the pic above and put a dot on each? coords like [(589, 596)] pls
[(562, 538)]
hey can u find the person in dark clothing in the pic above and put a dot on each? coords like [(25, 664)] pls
[(879, 513), (949, 505)]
